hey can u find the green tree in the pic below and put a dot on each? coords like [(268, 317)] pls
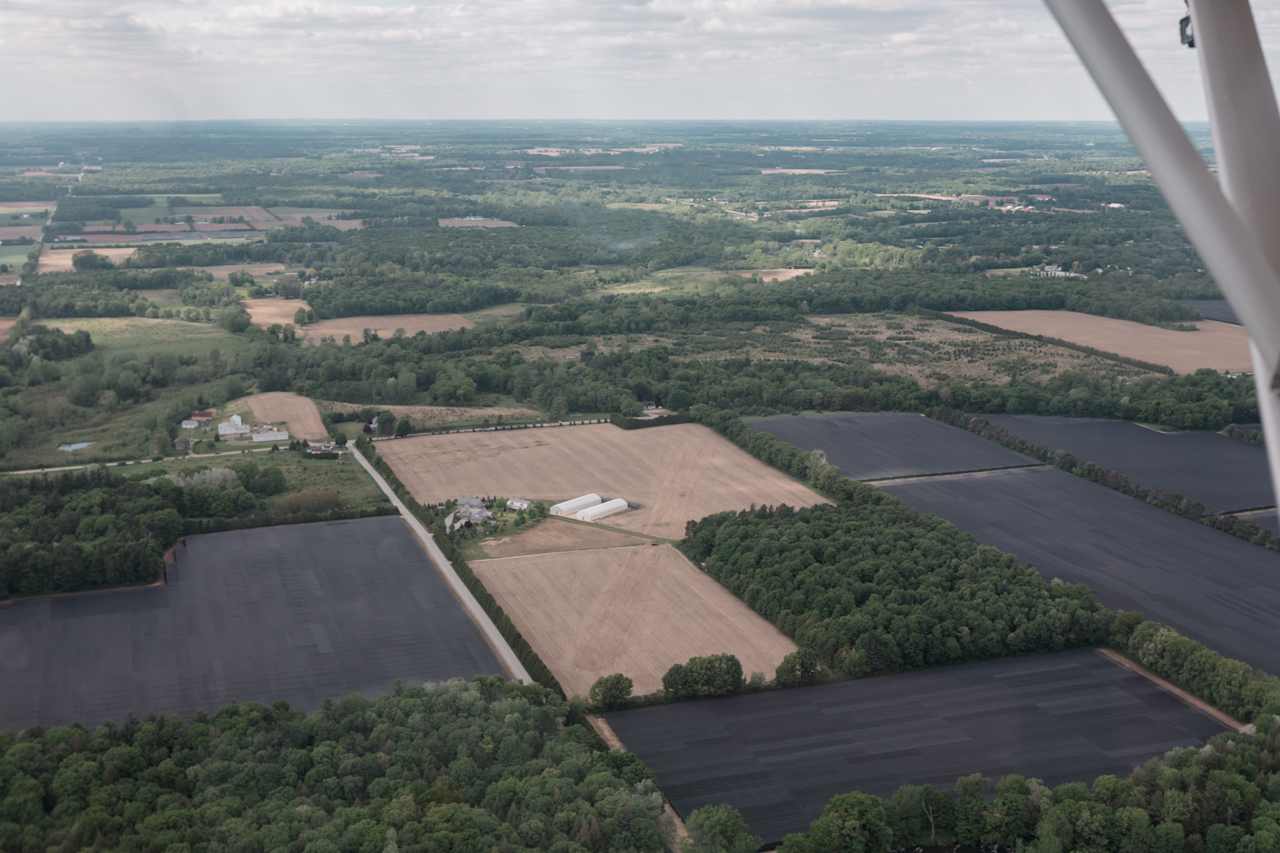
[(610, 691), (719, 829)]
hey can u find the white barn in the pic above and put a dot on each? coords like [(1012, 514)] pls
[(603, 510), (571, 507)]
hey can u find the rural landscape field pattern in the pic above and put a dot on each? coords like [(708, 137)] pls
[(923, 502)]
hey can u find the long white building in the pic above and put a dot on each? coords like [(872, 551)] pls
[(603, 510), (572, 507)]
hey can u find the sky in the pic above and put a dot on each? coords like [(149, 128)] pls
[(70, 60)]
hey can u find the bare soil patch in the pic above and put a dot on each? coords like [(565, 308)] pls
[(771, 276), (633, 610), (270, 312), (60, 260), (558, 534), (673, 474), (20, 232), (385, 325), (1221, 346), (297, 412), (222, 272), (6, 323)]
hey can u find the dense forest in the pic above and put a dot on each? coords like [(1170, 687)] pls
[(872, 587), (476, 766)]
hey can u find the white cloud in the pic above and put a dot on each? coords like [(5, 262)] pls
[(158, 59)]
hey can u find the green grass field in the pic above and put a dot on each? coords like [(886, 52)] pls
[(301, 474), (14, 256), (142, 337)]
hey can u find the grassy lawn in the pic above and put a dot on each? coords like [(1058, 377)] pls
[(14, 256), (143, 337)]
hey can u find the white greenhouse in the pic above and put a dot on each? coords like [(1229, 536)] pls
[(571, 507)]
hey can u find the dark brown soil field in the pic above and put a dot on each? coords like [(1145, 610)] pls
[(779, 756), (1211, 586), (880, 446), (301, 613), (1223, 474)]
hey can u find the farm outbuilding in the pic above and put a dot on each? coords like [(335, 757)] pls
[(603, 510), (576, 505)]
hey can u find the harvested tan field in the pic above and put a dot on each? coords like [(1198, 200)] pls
[(771, 276), (673, 474), (1221, 346), (476, 222), (780, 171), (20, 232), (385, 325), (438, 415), (222, 272), (557, 534), (6, 323), (60, 260), (269, 312), (631, 610), (32, 207), (282, 407)]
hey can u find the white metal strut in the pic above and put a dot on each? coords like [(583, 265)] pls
[(1237, 233)]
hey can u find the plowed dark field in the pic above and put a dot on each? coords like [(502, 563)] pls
[(301, 613), (1222, 473), (878, 446), (779, 756), (1213, 587)]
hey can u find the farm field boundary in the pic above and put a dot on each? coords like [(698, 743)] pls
[(460, 590), (779, 756), (1216, 345), (637, 610), (300, 613), (1237, 523)]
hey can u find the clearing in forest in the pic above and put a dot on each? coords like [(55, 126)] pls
[(62, 260), (635, 610), (1221, 346), (670, 474), (268, 312), (298, 412), (385, 325), (773, 276)]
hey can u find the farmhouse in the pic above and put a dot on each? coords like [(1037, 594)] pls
[(471, 512), (233, 429), (518, 503)]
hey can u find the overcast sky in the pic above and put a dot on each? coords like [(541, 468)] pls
[(612, 59)]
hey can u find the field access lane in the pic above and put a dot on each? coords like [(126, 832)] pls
[(779, 756), (1217, 589)]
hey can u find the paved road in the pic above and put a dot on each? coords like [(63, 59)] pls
[(491, 633)]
